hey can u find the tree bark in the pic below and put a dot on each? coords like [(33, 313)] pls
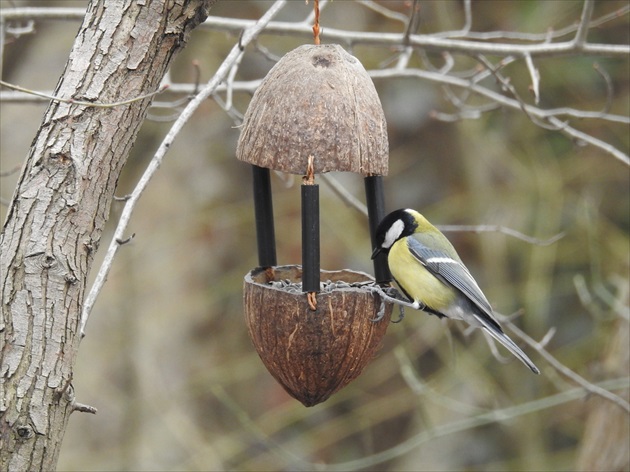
[(60, 207)]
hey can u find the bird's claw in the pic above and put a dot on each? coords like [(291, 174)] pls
[(401, 314), (390, 294), (381, 313)]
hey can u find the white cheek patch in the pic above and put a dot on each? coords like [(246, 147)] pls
[(393, 233)]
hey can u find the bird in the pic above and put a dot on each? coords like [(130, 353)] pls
[(430, 273)]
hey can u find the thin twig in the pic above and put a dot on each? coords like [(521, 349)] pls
[(535, 75), (428, 41), (503, 230), (384, 11), (431, 42), (468, 20), (506, 101), (587, 138), (9, 172), (584, 24), (564, 370), (494, 416), (508, 87), (447, 80), (436, 75), (405, 55), (422, 389), (83, 408), (80, 102), (369, 461), (548, 35), (412, 24), (609, 87), (266, 53), (342, 192)]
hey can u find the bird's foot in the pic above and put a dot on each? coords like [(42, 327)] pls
[(401, 314), (391, 295)]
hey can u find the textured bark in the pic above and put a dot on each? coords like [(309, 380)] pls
[(60, 206)]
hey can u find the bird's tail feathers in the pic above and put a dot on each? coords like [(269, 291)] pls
[(504, 339)]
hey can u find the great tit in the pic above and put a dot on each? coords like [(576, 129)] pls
[(430, 273)]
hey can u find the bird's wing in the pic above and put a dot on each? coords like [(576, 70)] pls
[(454, 273), (450, 271)]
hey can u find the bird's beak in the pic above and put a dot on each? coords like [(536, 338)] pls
[(376, 252)]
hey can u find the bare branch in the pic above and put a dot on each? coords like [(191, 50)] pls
[(42, 13), (535, 75), (248, 35), (250, 87), (609, 87), (9, 172), (496, 99), (412, 23), (506, 101), (505, 230), (354, 202), (344, 194), (583, 26), (384, 11), (465, 31), (475, 421), (79, 102), (83, 408), (442, 42), (77, 14), (508, 87), (587, 138), (548, 35), (564, 370), (429, 42)]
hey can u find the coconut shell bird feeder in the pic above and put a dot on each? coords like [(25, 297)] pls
[(316, 111)]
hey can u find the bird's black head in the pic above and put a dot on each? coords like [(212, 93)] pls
[(396, 225)]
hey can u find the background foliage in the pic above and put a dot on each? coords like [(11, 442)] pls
[(167, 360)]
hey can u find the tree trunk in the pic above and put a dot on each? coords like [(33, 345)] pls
[(60, 206)]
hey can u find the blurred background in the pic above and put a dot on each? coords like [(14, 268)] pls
[(167, 359)]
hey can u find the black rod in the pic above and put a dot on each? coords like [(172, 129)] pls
[(263, 208), (375, 198), (310, 238)]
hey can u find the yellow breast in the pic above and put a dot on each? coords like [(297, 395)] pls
[(416, 280)]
